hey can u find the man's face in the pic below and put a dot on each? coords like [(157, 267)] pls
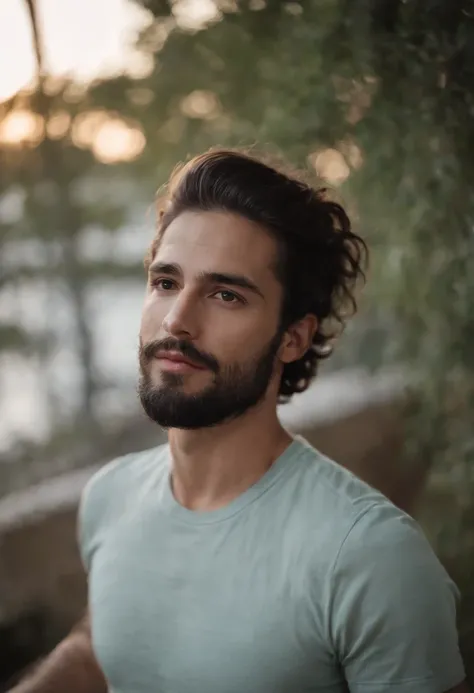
[(210, 324)]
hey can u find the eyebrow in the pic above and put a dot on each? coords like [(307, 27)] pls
[(165, 268), (239, 280)]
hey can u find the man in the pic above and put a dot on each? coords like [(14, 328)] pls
[(237, 558)]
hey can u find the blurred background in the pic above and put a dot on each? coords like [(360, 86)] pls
[(98, 102)]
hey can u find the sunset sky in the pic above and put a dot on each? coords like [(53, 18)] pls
[(84, 38)]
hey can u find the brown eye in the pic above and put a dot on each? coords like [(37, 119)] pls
[(163, 284), (227, 296)]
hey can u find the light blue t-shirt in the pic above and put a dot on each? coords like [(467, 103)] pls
[(310, 581)]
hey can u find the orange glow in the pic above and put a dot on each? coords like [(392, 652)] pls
[(21, 127), (86, 127), (330, 165), (200, 104), (116, 141), (58, 125)]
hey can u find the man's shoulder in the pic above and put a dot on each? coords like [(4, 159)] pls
[(114, 487), (348, 513), (369, 540), (339, 492), (128, 469)]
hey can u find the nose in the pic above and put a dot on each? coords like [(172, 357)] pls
[(181, 321)]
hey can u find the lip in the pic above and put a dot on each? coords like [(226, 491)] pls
[(174, 361)]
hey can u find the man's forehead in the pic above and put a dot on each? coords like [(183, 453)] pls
[(219, 237), (216, 225)]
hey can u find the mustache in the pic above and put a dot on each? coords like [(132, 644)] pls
[(148, 351)]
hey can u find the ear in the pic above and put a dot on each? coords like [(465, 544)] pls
[(297, 339)]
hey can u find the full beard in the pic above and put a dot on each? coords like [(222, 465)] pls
[(234, 390)]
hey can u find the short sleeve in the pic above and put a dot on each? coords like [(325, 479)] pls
[(393, 609), (106, 496), (97, 505), (88, 518)]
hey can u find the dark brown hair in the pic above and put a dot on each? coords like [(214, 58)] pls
[(320, 258)]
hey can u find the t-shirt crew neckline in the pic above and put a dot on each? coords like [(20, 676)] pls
[(194, 517)]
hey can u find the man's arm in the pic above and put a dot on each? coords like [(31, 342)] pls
[(70, 667), (393, 609)]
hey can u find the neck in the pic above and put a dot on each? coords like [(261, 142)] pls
[(214, 465)]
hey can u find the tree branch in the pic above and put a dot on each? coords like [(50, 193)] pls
[(32, 11)]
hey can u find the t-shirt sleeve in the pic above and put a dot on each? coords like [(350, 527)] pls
[(89, 517), (393, 609), (98, 506)]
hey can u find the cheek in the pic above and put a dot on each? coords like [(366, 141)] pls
[(151, 320), (239, 339)]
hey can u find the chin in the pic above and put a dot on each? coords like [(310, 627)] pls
[(188, 383)]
